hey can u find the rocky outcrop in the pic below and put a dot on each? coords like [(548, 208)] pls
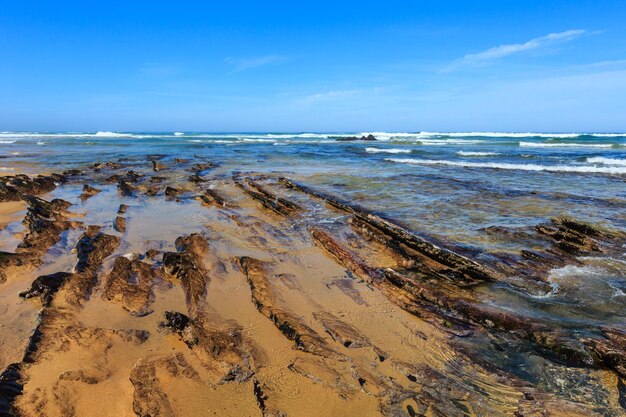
[(17, 187), (88, 192), (130, 284), (269, 200), (187, 266), (92, 248), (211, 198), (354, 138), (304, 337)]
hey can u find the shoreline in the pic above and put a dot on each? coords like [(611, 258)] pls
[(254, 293)]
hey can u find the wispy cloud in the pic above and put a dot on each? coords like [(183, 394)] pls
[(242, 64), (330, 95), (490, 55)]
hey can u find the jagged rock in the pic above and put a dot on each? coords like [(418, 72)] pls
[(200, 167), (187, 266), (120, 224), (171, 192), (196, 178), (133, 176), (291, 326), (44, 221), (277, 204), (354, 138), (100, 166), (45, 286), (157, 166), (88, 192), (16, 187), (91, 249), (130, 284), (122, 209), (10, 388), (125, 189), (211, 198)]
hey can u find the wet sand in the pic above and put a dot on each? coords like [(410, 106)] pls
[(180, 289)]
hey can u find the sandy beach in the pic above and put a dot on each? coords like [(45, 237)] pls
[(178, 287)]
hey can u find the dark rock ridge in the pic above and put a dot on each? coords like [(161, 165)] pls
[(187, 266), (44, 223), (17, 187), (270, 201), (130, 284), (304, 337), (354, 138)]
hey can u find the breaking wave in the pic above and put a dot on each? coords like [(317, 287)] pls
[(464, 153), (606, 161), (518, 167), (393, 150), (564, 145)]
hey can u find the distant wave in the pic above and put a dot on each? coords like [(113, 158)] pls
[(437, 142), (178, 133), (211, 141), (607, 161), (393, 150), (564, 145), (520, 167), (6, 142), (426, 135), (6, 169), (112, 135), (102, 134), (464, 153)]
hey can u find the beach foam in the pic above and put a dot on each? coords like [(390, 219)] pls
[(393, 150), (518, 167)]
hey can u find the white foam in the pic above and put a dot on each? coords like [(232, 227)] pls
[(607, 161), (393, 150), (438, 142), (39, 142), (6, 169), (178, 133), (464, 153), (6, 142), (564, 145), (520, 167)]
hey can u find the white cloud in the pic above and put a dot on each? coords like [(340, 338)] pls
[(242, 64), (497, 52)]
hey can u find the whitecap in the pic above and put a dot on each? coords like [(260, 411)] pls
[(178, 133), (39, 142), (392, 150), (564, 145), (519, 167), (465, 153), (7, 142), (438, 142), (6, 169), (606, 161)]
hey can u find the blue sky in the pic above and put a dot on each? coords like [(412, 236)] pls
[(324, 66)]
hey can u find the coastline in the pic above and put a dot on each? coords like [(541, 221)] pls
[(248, 293)]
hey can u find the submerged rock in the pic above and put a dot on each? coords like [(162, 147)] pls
[(88, 192)]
